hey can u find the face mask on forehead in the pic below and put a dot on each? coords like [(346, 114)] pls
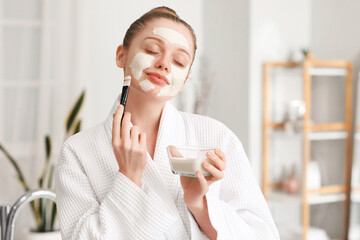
[(172, 36)]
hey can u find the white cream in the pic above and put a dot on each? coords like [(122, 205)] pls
[(172, 36), (176, 79), (188, 166), (146, 85), (140, 62)]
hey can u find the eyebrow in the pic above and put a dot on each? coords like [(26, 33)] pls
[(161, 41)]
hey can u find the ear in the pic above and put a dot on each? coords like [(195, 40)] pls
[(121, 54)]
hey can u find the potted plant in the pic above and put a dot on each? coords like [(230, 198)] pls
[(44, 211)]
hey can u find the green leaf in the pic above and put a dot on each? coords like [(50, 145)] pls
[(36, 211), (13, 162), (77, 127), (74, 111), (42, 215), (51, 173), (40, 208), (21, 178), (53, 216), (52, 206), (48, 147), (305, 52), (47, 160)]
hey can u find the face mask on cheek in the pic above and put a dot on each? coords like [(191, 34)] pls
[(176, 78), (140, 62)]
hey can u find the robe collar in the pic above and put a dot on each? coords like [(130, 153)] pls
[(171, 128)]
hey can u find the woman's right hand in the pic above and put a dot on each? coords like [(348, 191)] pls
[(129, 146)]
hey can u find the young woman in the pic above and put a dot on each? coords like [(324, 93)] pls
[(114, 181)]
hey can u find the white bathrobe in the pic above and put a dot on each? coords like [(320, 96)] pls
[(96, 201)]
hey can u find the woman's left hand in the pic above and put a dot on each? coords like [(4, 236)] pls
[(196, 188)]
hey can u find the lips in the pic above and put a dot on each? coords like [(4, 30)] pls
[(157, 78)]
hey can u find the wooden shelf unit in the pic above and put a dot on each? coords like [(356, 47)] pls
[(310, 67)]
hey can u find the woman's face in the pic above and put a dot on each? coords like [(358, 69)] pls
[(158, 59)]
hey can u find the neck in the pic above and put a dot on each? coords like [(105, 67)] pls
[(145, 113)]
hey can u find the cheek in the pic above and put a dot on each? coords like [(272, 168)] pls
[(146, 85), (140, 62), (178, 75), (177, 78)]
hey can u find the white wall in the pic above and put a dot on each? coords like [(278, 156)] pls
[(278, 29), (226, 41), (104, 27), (335, 30)]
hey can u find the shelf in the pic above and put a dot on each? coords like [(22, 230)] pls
[(312, 199), (336, 126), (277, 132), (313, 136), (321, 71), (331, 135), (327, 198), (357, 136), (283, 134), (318, 127), (355, 197)]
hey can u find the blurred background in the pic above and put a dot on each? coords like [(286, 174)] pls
[(51, 51)]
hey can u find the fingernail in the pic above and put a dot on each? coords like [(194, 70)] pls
[(206, 164)]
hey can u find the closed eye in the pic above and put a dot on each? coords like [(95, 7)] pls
[(151, 52), (179, 63)]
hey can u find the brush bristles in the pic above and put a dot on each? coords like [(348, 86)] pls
[(127, 81)]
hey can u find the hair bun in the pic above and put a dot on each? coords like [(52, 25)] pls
[(164, 9)]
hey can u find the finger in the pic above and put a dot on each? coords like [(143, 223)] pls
[(134, 135), (201, 178), (125, 127), (216, 173), (221, 154), (218, 163), (116, 124)]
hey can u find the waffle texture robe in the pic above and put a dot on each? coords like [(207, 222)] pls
[(96, 201)]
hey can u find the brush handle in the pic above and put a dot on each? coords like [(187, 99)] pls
[(123, 99)]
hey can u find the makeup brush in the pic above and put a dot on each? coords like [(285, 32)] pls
[(125, 92)]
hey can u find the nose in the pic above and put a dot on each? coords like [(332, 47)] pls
[(163, 63)]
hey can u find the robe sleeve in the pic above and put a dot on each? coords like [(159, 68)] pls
[(127, 211), (238, 210)]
